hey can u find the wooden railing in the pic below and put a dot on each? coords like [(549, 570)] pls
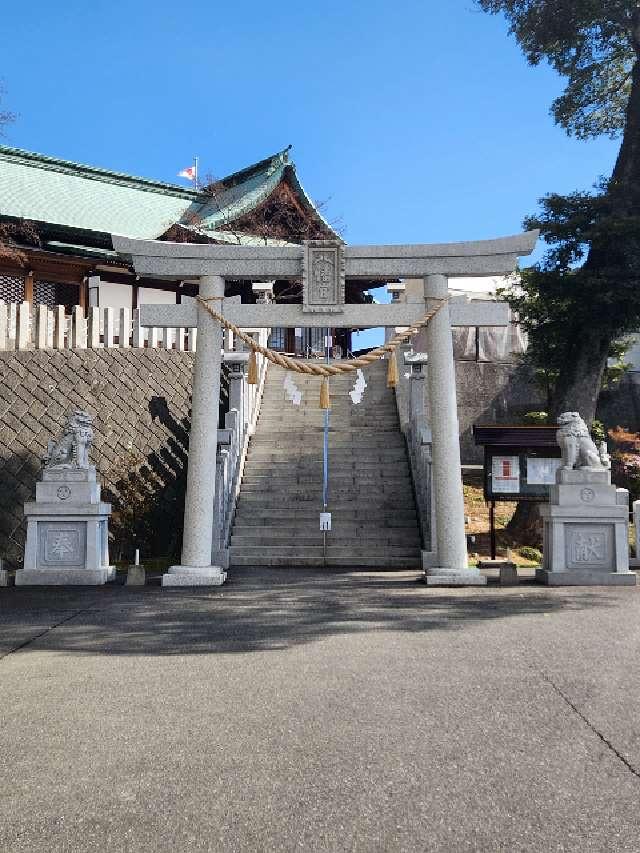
[(27, 327)]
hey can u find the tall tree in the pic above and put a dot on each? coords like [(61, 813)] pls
[(588, 286)]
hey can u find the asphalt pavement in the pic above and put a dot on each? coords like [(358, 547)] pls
[(294, 710)]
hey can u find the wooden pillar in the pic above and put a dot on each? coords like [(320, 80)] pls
[(83, 295), (28, 287)]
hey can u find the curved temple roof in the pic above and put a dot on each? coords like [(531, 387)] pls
[(79, 198)]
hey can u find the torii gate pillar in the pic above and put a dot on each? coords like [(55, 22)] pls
[(196, 568), (451, 565)]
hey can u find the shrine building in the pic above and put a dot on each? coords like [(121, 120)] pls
[(57, 217)]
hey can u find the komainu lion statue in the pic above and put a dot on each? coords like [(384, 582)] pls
[(71, 450), (577, 446)]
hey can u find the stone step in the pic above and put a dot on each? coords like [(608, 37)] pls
[(272, 480), (301, 429), (356, 528), (343, 404), (282, 423), (293, 512), (309, 518), (302, 450), (337, 480), (348, 464), (302, 446), (352, 522), (339, 459), (408, 562), (339, 403), (411, 541), (258, 473), (374, 394), (385, 500), (334, 551)]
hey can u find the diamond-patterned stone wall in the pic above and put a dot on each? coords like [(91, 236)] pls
[(141, 402)]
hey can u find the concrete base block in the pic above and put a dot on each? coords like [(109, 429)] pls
[(429, 560), (65, 577), (451, 577), (194, 576), (136, 576), (584, 577), (508, 570)]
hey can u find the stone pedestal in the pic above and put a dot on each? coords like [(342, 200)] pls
[(136, 576), (194, 576), (586, 531), (67, 531)]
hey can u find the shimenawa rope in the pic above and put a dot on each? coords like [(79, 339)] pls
[(323, 370)]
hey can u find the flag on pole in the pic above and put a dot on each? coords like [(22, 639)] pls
[(189, 172)]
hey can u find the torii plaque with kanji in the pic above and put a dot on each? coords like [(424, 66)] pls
[(323, 276)]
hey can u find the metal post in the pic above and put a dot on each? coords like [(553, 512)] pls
[(492, 528), (325, 457)]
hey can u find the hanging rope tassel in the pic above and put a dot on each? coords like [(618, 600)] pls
[(252, 370), (325, 402), (392, 370)]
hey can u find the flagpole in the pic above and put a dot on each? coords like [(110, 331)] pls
[(195, 171)]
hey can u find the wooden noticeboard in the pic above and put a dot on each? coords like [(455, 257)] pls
[(519, 464), (519, 461)]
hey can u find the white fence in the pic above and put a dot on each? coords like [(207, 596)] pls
[(23, 327)]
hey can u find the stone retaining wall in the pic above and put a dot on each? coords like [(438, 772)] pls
[(141, 402)]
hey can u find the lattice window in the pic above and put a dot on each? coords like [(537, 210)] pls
[(11, 288), (53, 293), (44, 293)]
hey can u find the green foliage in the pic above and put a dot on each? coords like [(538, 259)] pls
[(530, 553), (563, 303), (592, 43), (537, 417), (617, 366), (598, 431)]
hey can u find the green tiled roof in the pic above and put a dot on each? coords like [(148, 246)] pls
[(84, 198), (62, 193)]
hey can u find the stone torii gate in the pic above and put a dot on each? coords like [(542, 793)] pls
[(324, 266)]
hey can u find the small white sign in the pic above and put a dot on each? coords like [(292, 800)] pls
[(505, 474), (328, 341), (298, 333), (542, 471), (325, 521)]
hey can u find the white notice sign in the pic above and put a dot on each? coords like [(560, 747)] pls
[(325, 521), (542, 472), (505, 474)]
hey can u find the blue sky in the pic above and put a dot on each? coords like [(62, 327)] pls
[(414, 121)]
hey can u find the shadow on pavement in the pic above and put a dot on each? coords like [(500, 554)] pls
[(259, 610)]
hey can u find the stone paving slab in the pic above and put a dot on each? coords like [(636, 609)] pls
[(319, 711)]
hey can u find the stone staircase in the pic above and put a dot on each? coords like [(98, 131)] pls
[(374, 520)]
